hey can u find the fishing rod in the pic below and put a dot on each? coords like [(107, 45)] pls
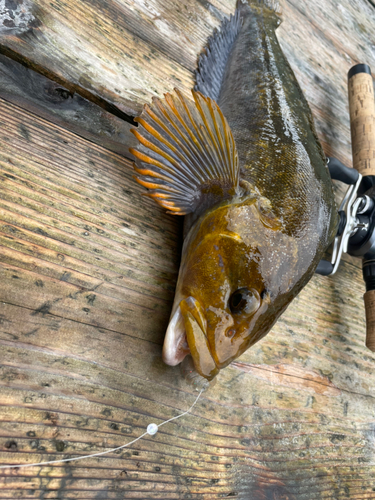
[(356, 232)]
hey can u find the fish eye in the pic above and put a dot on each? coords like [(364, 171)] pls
[(244, 300)]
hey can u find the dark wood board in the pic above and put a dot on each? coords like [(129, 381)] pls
[(46, 98), (88, 270), (118, 53)]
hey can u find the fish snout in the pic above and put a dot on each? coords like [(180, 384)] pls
[(187, 333)]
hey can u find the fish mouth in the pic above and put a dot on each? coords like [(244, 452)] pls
[(175, 346), (187, 334)]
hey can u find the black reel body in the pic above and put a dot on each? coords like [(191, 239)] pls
[(355, 235)]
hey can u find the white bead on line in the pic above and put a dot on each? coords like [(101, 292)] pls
[(152, 429)]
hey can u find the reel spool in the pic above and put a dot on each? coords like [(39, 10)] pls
[(356, 233)]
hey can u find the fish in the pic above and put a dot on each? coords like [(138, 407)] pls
[(241, 160)]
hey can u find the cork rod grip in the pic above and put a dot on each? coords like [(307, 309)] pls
[(362, 118)]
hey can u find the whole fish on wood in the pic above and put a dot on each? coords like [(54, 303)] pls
[(251, 176)]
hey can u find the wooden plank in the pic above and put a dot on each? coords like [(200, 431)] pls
[(127, 52), (325, 44), (118, 53), (88, 269), (81, 339), (46, 98)]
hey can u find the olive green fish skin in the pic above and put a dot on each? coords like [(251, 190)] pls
[(271, 245), (271, 122)]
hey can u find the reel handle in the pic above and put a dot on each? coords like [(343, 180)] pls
[(362, 126)]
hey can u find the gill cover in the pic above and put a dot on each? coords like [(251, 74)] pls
[(187, 156)]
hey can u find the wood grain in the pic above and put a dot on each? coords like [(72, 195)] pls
[(88, 270), (118, 53), (48, 99)]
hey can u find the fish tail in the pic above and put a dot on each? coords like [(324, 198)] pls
[(270, 5), (212, 62)]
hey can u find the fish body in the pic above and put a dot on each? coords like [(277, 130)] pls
[(254, 185)]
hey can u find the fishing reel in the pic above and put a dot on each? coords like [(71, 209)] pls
[(355, 235), (356, 231)]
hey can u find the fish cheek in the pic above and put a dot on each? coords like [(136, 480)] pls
[(245, 330), (205, 275)]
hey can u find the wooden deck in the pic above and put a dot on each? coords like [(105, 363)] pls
[(88, 269)]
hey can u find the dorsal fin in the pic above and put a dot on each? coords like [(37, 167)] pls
[(211, 64), (187, 156)]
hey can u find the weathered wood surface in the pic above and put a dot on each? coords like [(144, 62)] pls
[(88, 269), (120, 52), (48, 99)]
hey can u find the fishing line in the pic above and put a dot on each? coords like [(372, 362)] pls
[(152, 429)]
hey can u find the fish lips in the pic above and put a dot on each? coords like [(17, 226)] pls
[(186, 334)]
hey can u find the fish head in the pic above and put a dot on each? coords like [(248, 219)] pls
[(231, 286)]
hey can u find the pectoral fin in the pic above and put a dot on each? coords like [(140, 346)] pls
[(187, 156)]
